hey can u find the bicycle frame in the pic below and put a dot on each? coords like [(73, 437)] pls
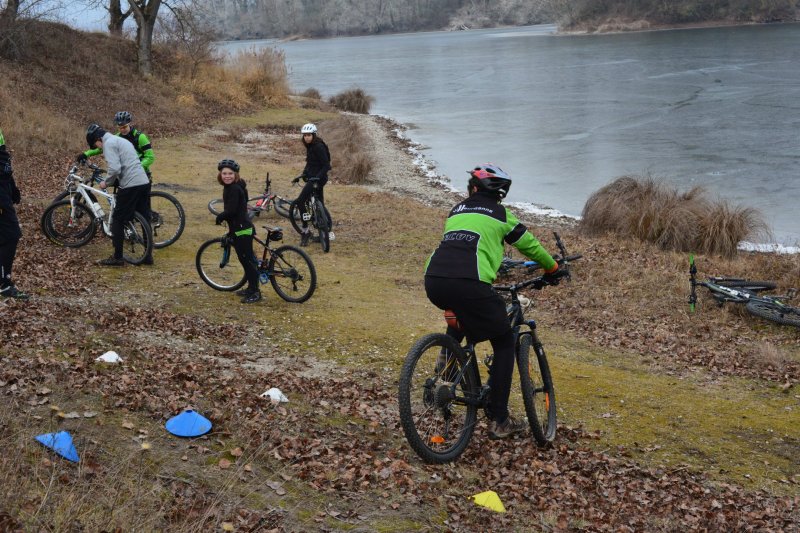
[(76, 186)]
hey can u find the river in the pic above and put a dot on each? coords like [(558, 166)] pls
[(566, 114)]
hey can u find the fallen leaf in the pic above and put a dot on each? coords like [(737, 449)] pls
[(224, 464)]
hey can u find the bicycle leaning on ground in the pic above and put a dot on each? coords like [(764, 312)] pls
[(258, 204), (747, 292), (316, 213), (167, 217), (440, 388), (73, 221), (288, 268)]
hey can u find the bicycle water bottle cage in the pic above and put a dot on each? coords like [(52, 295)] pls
[(452, 321)]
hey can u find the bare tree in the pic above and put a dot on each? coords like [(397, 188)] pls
[(15, 18), (146, 13), (186, 32), (116, 17)]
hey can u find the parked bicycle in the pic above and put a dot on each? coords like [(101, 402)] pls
[(287, 268), (747, 292), (167, 217), (258, 204), (316, 214), (73, 221), (440, 388)]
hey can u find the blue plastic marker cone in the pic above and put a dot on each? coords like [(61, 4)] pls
[(188, 424), (61, 443)]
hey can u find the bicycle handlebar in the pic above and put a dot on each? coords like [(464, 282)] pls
[(546, 279)]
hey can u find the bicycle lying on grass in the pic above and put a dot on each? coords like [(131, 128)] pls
[(73, 222), (288, 268), (258, 204), (167, 217), (440, 388), (316, 213), (747, 292)]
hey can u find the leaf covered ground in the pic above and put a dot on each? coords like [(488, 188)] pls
[(669, 421)]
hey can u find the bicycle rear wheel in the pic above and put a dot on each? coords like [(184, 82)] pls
[(218, 265), (751, 285), (167, 219), (538, 393), (138, 240), (66, 225), (437, 394), (292, 274), (775, 312)]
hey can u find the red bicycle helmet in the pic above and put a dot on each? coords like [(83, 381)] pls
[(490, 178)]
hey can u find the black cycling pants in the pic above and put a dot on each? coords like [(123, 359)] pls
[(8, 250), (129, 200), (243, 244), (482, 313), (305, 194)]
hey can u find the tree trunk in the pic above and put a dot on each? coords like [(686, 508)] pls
[(145, 12), (116, 18), (9, 14)]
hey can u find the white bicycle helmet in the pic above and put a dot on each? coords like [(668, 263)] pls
[(309, 128)]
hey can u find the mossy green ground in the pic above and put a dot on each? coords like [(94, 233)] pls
[(370, 306)]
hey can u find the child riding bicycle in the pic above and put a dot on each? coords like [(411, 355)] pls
[(460, 272)]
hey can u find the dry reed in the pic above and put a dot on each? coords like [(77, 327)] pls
[(354, 100), (650, 210), (351, 162)]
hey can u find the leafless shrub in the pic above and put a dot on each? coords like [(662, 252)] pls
[(262, 73), (770, 356), (652, 211), (354, 100), (346, 140), (311, 92)]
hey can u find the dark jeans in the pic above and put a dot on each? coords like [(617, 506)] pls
[(305, 194), (482, 313), (243, 245), (129, 200)]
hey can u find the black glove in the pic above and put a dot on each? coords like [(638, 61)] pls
[(553, 277), (15, 194), (81, 158), (219, 219)]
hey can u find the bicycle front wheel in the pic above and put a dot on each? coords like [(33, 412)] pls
[(138, 240), (167, 219), (68, 225), (218, 265), (322, 221), (282, 206), (292, 274), (216, 207), (775, 312), (437, 397), (538, 393), (295, 218)]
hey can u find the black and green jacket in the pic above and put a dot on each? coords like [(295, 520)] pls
[(139, 141), (5, 157), (474, 238)]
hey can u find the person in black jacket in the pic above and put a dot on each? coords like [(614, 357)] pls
[(318, 163), (9, 224), (240, 229)]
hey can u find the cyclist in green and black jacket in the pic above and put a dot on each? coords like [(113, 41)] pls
[(460, 272), (9, 224)]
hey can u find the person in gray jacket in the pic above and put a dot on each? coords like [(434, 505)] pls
[(125, 171)]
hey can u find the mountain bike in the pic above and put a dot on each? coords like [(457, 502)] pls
[(317, 214), (255, 206), (747, 292), (73, 221), (440, 388), (167, 217), (287, 268)]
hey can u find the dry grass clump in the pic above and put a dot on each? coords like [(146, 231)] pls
[(346, 140), (354, 100), (650, 210), (262, 74), (311, 92)]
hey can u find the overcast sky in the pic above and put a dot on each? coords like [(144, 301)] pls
[(77, 15)]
